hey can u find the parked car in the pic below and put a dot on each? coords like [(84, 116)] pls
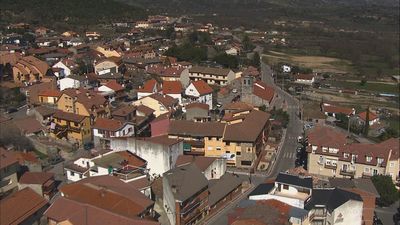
[(234, 91), (12, 110)]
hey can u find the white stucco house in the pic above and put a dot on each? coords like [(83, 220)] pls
[(72, 81), (199, 91)]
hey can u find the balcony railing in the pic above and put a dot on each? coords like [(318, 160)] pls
[(347, 172), (333, 167)]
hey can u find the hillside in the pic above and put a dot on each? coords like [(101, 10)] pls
[(71, 13)]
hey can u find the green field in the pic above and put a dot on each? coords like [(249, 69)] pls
[(369, 86)]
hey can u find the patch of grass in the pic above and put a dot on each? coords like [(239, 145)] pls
[(369, 86)]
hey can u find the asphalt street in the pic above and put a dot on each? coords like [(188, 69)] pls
[(286, 156)]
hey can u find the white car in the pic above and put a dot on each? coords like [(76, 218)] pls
[(234, 91)]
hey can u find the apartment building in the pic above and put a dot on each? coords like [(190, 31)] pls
[(73, 127), (29, 70), (215, 76), (239, 138), (8, 172), (330, 154), (83, 102)]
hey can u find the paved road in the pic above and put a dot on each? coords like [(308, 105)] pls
[(287, 155)]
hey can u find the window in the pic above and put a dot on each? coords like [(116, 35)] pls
[(72, 173), (246, 163), (286, 187), (238, 153), (346, 155), (368, 158), (248, 149), (392, 164), (80, 176), (218, 148), (209, 148), (227, 152), (380, 161), (366, 169)]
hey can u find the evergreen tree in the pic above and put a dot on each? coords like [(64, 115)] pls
[(366, 127)]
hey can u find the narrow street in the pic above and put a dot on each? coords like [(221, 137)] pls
[(286, 156)]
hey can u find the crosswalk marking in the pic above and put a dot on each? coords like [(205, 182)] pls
[(289, 155)]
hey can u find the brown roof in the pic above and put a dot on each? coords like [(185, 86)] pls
[(108, 124), (124, 110), (28, 125), (163, 71), (202, 87), (304, 76), (75, 212), (45, 111), (140, 183), (88, 98), (238, 106), (201, 162), (193, 129), (171, 87), (197, 105), (326, 136), (34, 63), (363, 116), (163, 140), (68, 116), (7, 158), (119, 160), (209, 70), (114, 85), (249, 129), (10, 58), (149, 86), (337, 109), (108, 193), (263, 91), (49, 93), (144, 109), (76, 168), (166, 100), (26, 157), (35, 177), (19, 206)]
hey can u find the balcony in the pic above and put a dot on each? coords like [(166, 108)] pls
[(347, 172), (330, 166)]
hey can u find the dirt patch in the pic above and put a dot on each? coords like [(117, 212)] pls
[(320, 64)]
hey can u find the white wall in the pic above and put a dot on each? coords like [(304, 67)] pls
[(61, 65), (160, 158), (290, 201), (69, 83), (119, 133), (218, 167), (351, 213)]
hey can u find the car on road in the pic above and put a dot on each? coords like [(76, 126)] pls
[(219, 105), (234, 91)]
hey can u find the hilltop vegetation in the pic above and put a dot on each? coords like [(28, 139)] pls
[(71, 13), (362, 31)]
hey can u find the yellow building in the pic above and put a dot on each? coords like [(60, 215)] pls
[(83, 102), (159, 103), (48, 96), (239, 139), (30, 69), (331, 155), (75, 128)]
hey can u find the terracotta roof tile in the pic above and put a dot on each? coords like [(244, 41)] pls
[(7, 158), (114, 86), (202, 87), (197, 105), (35, 177), (263, 91), (165, 100), (68, 116), (19, 206), (172, 87), (149, 86), (363, 116), (108, 124)]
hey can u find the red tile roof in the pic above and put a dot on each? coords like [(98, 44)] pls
[(28, 125), (68, 116), (108, 193), (19, 206), (35, 177), (172, 87), (108, 124), (144, 109), (26, 157), (197, 105), (49, 93), (7, 158), (163, 71), (75, 212), (166, 100), (363, 116), (201, 162), (326, 136), (149, 86), (337, 109), (304, 76), (263, 91), (114, 86), (202, 87)]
